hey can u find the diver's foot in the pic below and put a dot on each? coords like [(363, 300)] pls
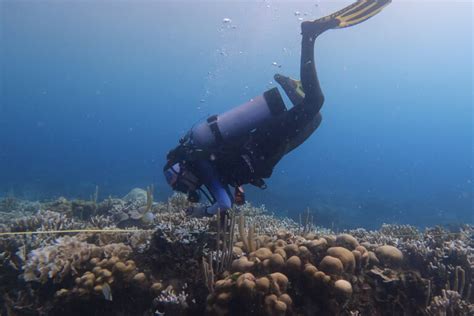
[(316, 27)]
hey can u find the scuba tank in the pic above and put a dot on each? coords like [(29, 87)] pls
[(220, 135), (238, 121)]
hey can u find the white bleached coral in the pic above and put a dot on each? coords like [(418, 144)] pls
[(66, 257)]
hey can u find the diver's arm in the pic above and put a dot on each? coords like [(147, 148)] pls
[(220, 193), (218, 190)]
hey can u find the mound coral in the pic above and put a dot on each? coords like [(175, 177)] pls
[(389, 256)]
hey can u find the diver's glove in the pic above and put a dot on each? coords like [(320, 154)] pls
[(198, 212)]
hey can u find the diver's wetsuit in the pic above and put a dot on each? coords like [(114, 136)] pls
[(255, 155), (268, 144), (294, 126)]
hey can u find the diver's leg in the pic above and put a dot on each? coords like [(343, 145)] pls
[(280, 132), (298, 123), (303, 119), (291, 124), (351, 15), (306, 95), (309, 89), (309, 79)]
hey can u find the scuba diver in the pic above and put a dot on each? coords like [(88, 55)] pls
[(243, 145)]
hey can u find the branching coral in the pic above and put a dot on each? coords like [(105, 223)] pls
[(45, 220), (14, 206), (449, 303)]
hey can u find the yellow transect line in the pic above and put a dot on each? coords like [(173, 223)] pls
[(73, 231)]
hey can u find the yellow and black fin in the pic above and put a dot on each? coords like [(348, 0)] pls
[(292, 87), (355, 13)]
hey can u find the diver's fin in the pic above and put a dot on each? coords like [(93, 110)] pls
[(359, 12), (292, 87), (353, 14)]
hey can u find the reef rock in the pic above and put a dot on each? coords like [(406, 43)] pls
[(136, 195)]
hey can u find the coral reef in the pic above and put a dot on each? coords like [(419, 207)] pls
[(13, 205), (297, 276), (249, 263), (66, 257)]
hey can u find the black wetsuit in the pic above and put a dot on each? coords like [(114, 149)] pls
[(268, 144)]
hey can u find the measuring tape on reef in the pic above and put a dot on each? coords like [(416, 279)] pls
[(125, 231), (76, 231)]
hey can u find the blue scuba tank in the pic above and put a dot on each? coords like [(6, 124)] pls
[(239, 121)]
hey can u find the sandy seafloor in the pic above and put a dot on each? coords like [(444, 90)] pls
[(254, 263)]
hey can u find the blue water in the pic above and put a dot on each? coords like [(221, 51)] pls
[(95, 93)]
